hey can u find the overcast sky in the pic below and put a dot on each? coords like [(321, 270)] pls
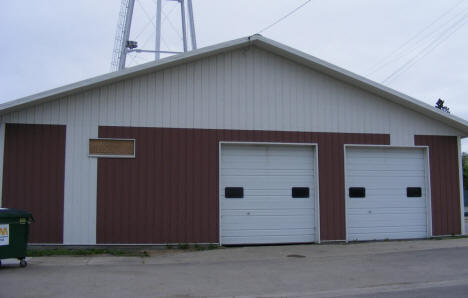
[(49, 43)]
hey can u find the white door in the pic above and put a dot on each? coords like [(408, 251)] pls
[(385, 193), (267, 194)]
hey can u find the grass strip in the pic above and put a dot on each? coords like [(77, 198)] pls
[(86, 252), (44, 252)]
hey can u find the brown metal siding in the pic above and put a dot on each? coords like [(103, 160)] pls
[(445, 187), (33, 177), (169, 192)]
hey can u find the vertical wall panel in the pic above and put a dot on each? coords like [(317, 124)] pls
[(81, 170), (33, 177), (445, 191), (170, 190)]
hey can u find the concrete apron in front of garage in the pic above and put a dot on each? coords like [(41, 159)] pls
[(327, 270)]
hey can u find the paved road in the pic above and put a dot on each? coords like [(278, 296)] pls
[(431, 268), (433, 292)]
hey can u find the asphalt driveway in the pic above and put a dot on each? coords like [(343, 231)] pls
[(430, 268)]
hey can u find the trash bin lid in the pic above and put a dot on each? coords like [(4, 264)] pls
[(14, 213)]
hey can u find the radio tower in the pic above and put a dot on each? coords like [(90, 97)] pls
[(123, 45)]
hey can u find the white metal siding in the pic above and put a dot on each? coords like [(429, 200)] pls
[(79, 114), (80, 172), (268, 213), (386, 212), (243, 89)]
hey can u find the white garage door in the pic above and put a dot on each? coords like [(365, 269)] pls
[(267, 194), (385, 193)]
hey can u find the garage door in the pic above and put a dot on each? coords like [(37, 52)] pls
[(385, 193), (267, 194)]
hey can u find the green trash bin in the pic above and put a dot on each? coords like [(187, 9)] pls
[(14, 234)]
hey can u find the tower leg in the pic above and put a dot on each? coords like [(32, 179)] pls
[(192, 25), (126, 35), (157, 54), (184, 28)]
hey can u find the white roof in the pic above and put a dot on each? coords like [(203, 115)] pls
[(261, 42)]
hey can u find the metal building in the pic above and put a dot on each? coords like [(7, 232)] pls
[(248, 141)]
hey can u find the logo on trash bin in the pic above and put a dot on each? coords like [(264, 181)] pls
[(4, 234)]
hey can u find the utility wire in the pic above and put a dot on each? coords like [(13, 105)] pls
[(445, 34), (432, 36), (414, 60), (454, 27), (400, 51), (284, 17)]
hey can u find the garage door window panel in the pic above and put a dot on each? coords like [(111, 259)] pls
[(357, 192), (414, 192), (300, 192), (234, 192)]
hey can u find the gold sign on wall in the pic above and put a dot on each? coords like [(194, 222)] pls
[(112, 147)]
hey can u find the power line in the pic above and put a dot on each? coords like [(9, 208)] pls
[(403, 48), (284, 17), (439, 34), (444, 35), (423, 54), (454, 27)]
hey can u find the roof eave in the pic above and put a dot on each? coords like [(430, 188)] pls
[(361, 82), (116, 76), (260, 41)]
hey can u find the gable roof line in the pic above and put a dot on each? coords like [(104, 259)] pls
[(257, 40), (120, 75), (363, 83)]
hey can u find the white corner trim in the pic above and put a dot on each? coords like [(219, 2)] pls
[(427, 157), (317, 194), (2, 154), (460, 174)]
